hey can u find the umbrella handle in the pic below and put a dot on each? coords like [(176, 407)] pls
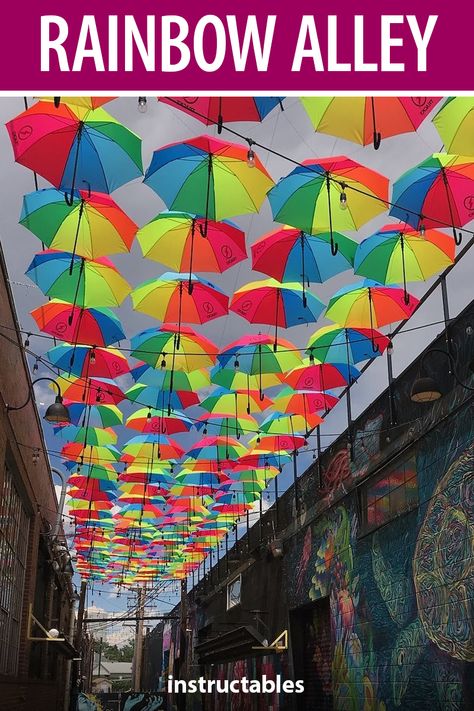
[(334, 247), (220, 121), (377, 140), (57, 101), (457, 237)]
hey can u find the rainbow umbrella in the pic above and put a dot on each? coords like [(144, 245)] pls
[(87, 435), (85, 102), (304, 402), (92, 226), (88, 362), (370, 304), (321, 376), (436, 193), (99, 327), (289, 254), (232, 379), (219, 109), (175, 239), (275, 457), (159, 348), (209, 177), (333, 344), (305, 198), (151, 447), (279, 423), (232, 403), (397, 254), (90, 453), (367, 119), (96, 415), (94, 471), (224, 424), (158, 398), (92, 391), (151, 421), (145, 374), (270, 302), (76, 147), (455, 124), (169, 298), (90, 283), (217, 447), (278, 444)]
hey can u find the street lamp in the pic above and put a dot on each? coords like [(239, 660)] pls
[(426, 389), (56, 412)]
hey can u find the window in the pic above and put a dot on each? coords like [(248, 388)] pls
[(389, 494), (233, 592), (14, 527)]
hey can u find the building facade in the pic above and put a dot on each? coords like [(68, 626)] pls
[(35, 581), (368, 567)]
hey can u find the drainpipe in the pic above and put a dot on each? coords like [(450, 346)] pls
[(62, 499)]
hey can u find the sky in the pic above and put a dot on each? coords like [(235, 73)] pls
[(290, 133)]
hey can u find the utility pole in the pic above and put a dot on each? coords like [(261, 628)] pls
[(76, 680), (183, 648), (138, 654)]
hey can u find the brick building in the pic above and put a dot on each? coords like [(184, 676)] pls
[(35, 571), (368, 566)]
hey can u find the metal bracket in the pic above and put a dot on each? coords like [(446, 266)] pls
[(280, 644), (32, 620)]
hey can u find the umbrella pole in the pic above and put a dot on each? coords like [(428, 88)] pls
[(275, 344), (70, 199), (76, 293), (334, 247), (260, 369), (202, 230), (303, 280), (377, 134), (248, 394), (237, 432), (171, 377), (375, 346), (220, 119), (457, 238), (190, 282), (81, 210), (406, 295)]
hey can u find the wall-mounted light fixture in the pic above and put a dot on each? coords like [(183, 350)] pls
[(425, 388), (56, 412)]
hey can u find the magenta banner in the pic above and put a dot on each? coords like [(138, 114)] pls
[(236, 45)]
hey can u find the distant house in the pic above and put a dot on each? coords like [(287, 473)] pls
[(104, 675)]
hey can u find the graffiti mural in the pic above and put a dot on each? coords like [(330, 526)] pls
[(143, 701), (400, 587)]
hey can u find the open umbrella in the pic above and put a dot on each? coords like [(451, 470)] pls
[(436, 193), (92, 226), (95, 415), (92, 391), (155, 345), (152, 447), (232, 379), (168, 298), (217, 447), (370, 304), (150, 421), (87, 361), (147, 375), (280, 423), (222, 424), (367, 119), (289, 254), (334, 193), (209, 177), (91, 326), (76, 147), (86, 102), (455, 124), (90, 283), (397, 254), (334, 344), (303, 402), (175, 239), (224, 109), (236, 402), (87, 435), (159, 398), (273, 303), (321, 376)]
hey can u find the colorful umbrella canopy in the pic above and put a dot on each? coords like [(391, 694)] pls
[(145, 374), (270, 302), (159, 348), (321, 376), (217, 447), (455, 124), (86, 102), (155, 421), (275, 457), (289, 254), (223, 401), (92, 391), (99, 327), (367, 119), (313, 196), (370, 304), (219, 109), (254, 355), (151, 447), (433, 194), (396, 254), (269, 447), (278, 423), (87, 361), (90, 453), (222, 424), (232, 379), (158, 398), (176, 240), (209, 177), (92, 226), (90, 283), (169, 298), (303, 402), (333, 344), (75, 147), (87, 435), (95, 415)]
